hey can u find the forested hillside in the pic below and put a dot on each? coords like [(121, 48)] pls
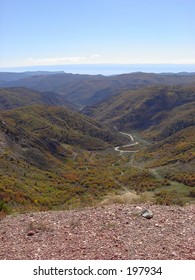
[(157, 110), (162, 115), (89, 89), (46, 158), (53, 157), (16, 97)]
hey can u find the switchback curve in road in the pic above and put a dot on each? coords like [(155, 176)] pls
[(118, 149)]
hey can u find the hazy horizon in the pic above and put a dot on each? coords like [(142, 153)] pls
[(107, 69)]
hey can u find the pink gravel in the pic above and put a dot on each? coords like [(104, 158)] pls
[(101, 233)]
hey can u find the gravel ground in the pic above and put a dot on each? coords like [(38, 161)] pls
[(101, 233)]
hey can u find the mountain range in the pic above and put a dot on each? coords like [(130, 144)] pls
[(85, 90), (58, 132)]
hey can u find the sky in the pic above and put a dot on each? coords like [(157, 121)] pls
[(55, 32)]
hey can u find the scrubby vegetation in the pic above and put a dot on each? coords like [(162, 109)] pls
[(83, 179), (16, 97), (54, 158), (91, 89), (164, 116), (165, 197), (45, 158)]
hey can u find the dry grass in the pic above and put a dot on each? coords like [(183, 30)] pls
[(127, 198)]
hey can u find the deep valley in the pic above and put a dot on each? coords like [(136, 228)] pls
[(59, 133)]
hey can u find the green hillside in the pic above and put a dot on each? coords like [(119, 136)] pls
[(48, 158), (16, 97), (152, 109), (41, 125), (165, 117), (54, 158)]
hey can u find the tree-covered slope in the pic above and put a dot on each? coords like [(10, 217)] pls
[(164, 116), (153, 109), (48, 159), (16, 97), (45, 126), (90, 89)]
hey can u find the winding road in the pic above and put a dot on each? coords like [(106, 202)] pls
[(118, 149)]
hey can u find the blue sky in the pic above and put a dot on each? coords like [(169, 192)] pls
[(50, 32)]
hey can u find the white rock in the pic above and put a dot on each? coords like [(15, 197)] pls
[(148, 214)]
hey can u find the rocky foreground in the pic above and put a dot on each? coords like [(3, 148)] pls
[(108, 232)]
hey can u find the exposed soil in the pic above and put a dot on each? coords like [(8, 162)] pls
[(108, 232)]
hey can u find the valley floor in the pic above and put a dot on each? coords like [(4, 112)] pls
[(105, 232)]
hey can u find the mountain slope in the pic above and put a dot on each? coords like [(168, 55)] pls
[(54, 158), (165, 116), (151, 108), (90, 89), (51, 157), (40, 125), (16, 97)]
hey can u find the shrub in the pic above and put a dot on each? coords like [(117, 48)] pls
[(3, 207), (165, 197), (192, 193)]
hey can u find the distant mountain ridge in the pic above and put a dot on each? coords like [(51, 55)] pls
[(14, 76), (89, 89)]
